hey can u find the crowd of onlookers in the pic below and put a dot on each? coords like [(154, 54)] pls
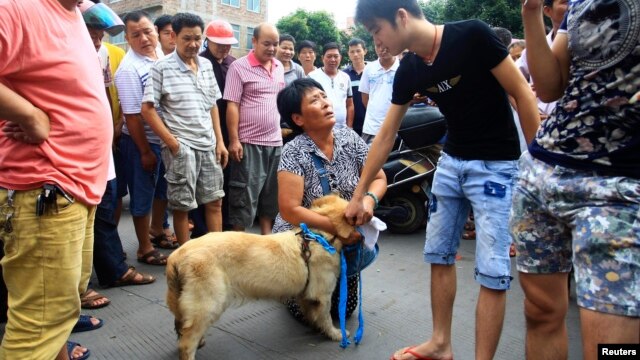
[(183, 127)]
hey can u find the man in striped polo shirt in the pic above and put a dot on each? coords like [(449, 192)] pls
[(184, 86), (253, 122), (139, 146)]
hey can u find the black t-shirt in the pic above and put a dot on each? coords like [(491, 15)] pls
[(479, 118), (220, 70)]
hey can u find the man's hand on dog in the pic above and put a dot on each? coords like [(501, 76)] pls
[(359, 211)]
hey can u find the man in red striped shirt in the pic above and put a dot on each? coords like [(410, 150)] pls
[(253, 122)]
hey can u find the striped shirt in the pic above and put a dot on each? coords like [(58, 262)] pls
[(255, 89), (130, 80), (186, 99)]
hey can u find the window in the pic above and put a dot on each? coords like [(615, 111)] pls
[(253, 5), (236, 34), (249, 37), (118, 39), (234, 3)]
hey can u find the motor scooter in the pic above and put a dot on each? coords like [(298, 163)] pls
[(409, 169)]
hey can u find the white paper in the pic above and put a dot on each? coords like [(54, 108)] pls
[(371, 231)]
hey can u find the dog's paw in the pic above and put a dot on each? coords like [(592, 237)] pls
[(336, 335)]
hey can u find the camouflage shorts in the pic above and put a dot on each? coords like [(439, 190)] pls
[(562, 216)]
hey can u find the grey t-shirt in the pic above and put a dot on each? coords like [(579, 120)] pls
[(295, 72), (186, 99)]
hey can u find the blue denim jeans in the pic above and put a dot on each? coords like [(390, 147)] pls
[(486, 187), (107, 247), (143, 185)]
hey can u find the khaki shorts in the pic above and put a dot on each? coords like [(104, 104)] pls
[(253, 185), (193, 177)]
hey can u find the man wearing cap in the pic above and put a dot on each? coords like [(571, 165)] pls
[(218, 41), (253, 122), (110, 265), (55, 140)]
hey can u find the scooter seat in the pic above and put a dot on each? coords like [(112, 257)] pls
[(422, 126)]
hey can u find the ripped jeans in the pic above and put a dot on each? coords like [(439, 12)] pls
[(486, 186)]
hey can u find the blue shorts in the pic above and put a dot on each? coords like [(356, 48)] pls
[(143, 185), (485, 186)]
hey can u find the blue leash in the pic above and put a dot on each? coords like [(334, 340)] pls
[(342, 308), (342, 305), (310, 235)]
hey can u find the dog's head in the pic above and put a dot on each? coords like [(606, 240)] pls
[(333, 207)]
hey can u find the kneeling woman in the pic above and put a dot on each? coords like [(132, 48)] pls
[(305, 107)]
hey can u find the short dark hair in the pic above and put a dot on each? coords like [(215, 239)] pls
[(182, 20), (306, 44), (163, 21), (367, 11), (134, 16), (290, 100), (330, 46), (518, 43), (287, 37), (504, 35), (356, 42), (548, 3)]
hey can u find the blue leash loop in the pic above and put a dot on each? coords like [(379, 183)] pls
[(310, 235)]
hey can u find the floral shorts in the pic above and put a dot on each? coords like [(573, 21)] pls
[(563, 217)]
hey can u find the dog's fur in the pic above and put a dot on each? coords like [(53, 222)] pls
[(208, 274)]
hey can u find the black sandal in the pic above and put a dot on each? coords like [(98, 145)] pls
[(163, 242), (153, 257)]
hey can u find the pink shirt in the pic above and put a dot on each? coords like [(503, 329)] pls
[(252, 86), (49, 59)]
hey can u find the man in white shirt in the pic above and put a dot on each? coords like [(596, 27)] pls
[(336, 84), (376, 87)]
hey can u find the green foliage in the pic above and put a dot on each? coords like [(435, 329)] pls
[(317, 26), (433, 10), (503, 13)]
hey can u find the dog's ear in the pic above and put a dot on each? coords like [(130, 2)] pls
[(329, 204), (333, 207)]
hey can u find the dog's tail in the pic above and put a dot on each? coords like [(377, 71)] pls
[(174, 289)]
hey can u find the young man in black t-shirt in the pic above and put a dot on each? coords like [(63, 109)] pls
[(468, 72)]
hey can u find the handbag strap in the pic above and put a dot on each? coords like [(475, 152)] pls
[(322, 173)]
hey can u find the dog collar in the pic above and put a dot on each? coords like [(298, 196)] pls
[(308, 235)]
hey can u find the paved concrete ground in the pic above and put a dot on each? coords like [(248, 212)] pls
[(138, 324)]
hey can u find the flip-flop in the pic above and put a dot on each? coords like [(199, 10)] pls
[(469, 235), (86, 301), (130, 279), (72, 345), (84, 324), (417, 356)]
